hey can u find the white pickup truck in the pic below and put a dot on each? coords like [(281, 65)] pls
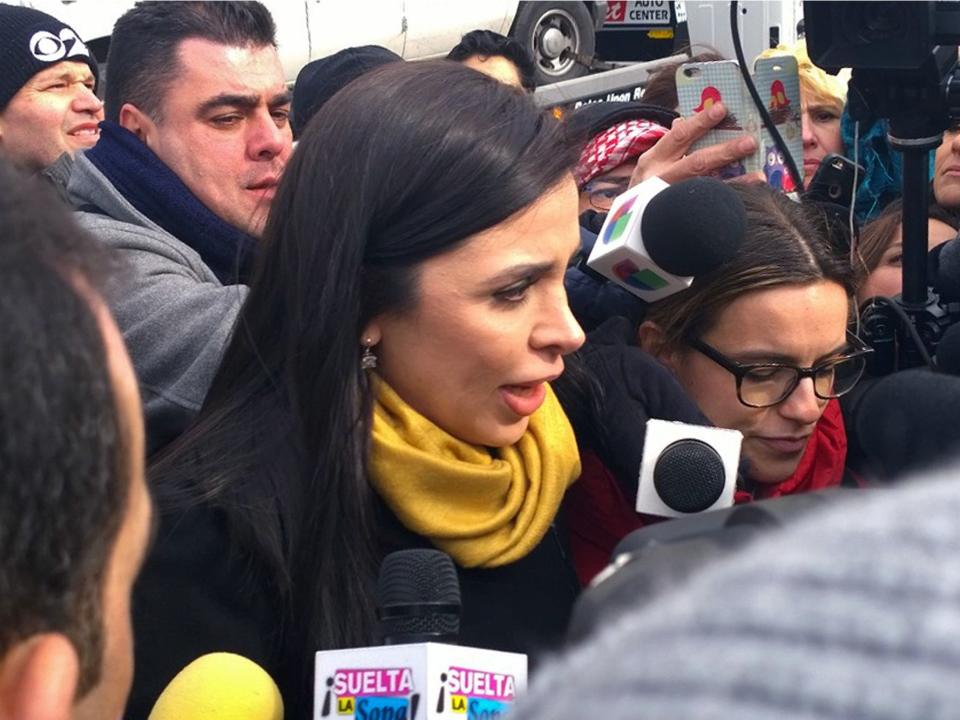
[(554, 31)]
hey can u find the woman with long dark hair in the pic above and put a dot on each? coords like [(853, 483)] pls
[(387, 386)]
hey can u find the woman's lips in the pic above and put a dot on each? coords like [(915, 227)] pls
[(786, 445), (265, 192), (524, 400)]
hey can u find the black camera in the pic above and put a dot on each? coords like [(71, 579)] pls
[(878, 35), (904, 61)]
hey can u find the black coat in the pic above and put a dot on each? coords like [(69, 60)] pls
[(198, 593), (622, 388)]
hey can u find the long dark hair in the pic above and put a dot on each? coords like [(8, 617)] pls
[(403, 164)]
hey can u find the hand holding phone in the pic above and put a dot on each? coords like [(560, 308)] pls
[(672, 160), (702, 86)]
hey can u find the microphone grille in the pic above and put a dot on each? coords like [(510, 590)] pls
[(418, 593), (689, 476)]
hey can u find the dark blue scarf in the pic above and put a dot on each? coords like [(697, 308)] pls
[(156, 191)]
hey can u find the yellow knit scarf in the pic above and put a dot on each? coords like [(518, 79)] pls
[(484, 508)]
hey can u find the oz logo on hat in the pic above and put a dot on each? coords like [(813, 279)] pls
[(47, 47)]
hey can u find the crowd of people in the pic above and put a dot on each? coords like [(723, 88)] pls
[(243, 369)]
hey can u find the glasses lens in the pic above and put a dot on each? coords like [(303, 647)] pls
[(763, 386), (604, 190), (840, 377), (603, 199)]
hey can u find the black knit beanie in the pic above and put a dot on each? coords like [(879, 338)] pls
[(31, 41), (319, 80)]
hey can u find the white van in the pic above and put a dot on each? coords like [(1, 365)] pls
[(554, 31)]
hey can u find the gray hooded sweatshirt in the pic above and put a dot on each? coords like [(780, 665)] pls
[(175, 315)]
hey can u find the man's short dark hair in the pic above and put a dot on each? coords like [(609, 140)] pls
[(143, 61), (486, 43), (64, 462)]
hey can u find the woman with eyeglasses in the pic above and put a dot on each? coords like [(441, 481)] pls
[(759, 344), (612, 136), (763, 345)]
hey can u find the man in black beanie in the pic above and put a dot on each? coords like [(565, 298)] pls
[(47, 81)]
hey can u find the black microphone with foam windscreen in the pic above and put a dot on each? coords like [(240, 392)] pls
[(657, 237), (694, 226), (907, 421), (943, 270), (948, 351), (418, 597)]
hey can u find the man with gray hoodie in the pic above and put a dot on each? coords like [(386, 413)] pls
[(195, 140)]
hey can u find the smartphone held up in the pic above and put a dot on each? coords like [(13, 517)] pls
[(701, 85)]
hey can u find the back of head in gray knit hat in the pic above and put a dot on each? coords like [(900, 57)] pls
[(851, 613), (42, 117)]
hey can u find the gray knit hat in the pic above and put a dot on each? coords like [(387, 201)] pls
[(31, 41)]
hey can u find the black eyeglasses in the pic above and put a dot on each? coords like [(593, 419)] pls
[(761, 385), (604, 192)]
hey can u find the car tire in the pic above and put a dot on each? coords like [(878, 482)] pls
[(546, 28)]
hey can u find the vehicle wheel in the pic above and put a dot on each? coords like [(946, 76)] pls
[(546, 29)]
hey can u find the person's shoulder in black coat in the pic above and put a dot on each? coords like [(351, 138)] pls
[(197, 594), (621, 388)]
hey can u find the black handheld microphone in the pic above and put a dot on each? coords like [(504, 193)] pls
[(694, 226), (418, 598), (689, 476), (418, 669), (687, 469), (943, 270)]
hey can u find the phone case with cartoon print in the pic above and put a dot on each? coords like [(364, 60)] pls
[(700, 85)]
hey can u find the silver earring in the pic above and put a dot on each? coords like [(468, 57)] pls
[(368, 361)]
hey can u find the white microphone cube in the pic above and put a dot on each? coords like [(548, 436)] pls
[(619, 253), (687, 469), (421, 681)]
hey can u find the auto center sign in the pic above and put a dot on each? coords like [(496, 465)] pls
[(637, 12)]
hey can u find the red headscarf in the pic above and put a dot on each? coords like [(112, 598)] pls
[(614, 146)]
